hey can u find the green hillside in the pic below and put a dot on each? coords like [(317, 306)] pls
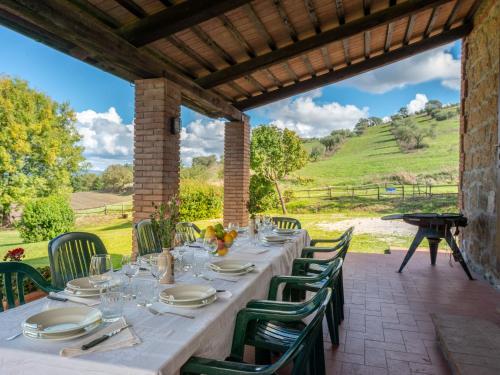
[(375, 157)]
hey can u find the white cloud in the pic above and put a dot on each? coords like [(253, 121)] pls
[(310, 119), (105, 138), (202, 137), (417, 104), (436, 64), (386, 119)]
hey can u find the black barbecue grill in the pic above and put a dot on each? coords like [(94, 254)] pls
[(434, 227)]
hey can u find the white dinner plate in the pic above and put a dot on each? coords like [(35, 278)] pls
[(275, 239), (61, 336), (229, 266), (190, 305), (84, 294), (188, 293), (83, 284), (285, 232), (62, 320)]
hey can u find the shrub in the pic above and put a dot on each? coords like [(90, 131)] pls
[(316, 153), (263, 195), (46, 218), (200, 201)]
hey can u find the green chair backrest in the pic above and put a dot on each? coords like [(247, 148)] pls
[(299, 351), (147, 240), (189, 231), (19, 271), (286, 222), (70, 254)]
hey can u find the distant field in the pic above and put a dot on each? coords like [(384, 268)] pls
[(90, 199), (375, 155)]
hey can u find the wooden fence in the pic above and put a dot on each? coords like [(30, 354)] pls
[(378, 192), (109, 209)]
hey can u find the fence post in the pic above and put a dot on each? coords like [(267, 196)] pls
[(403, 191), (330, 192), (352, 193), (105, 210), (378, 192), (430, 190)]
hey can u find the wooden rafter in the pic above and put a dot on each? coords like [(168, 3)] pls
[(97, 13), (409, 29), (339, 9), (290, 72), (313, 17), (317, 41), (176, 18), (133, 8), (326, 58), (167, 3), (452, 16), (286, 20), (308, 65), (358, 68), (388, 36), (107, 50), (184, 48), (218, 50), (367, 34), (237, 36), (260, 27), (432, 21)]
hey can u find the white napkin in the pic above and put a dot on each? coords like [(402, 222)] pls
[(254, 250), (124, 339), (84, 301)]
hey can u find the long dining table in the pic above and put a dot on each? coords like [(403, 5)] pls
[(167, 341)]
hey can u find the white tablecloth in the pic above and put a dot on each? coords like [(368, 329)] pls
[(167, 341)]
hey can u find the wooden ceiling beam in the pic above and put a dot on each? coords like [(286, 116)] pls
[(260, 27), (432, 21), (388, 37), (339, 9), (286, 20), (237, 36), (313, 17), (338, 33), (367, 4), (409, 29), (358, 68), (452, 16), (133, 8), (109, 51), (176, 18), (213, 45)]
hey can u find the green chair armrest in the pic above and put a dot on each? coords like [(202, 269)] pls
[(324, 240), (265, 304), (276, 281), (197, 365)]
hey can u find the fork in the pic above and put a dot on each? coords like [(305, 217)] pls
[(10, 338), (156, 312)]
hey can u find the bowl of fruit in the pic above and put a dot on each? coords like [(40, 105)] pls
[(218, 239)]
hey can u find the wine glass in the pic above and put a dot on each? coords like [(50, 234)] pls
[(100, 270), (157, 270), (210, 244)]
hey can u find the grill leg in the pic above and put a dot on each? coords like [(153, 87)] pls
[(433, 247), (457, 254), (416, 241)]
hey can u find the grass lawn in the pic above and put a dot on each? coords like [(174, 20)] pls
[(116, 234), (375, 154)]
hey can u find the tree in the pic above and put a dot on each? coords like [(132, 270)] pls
[(403, 111), (38, 145), (432, 105), (274, 153), (375, 120), (117, 177), (204, 161), (361, 126)]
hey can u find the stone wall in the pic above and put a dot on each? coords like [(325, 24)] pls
[(479, 140)]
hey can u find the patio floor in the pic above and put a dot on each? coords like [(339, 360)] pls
[(387, 327)]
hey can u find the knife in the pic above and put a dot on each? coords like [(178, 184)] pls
[(57, 298), (104, 337)]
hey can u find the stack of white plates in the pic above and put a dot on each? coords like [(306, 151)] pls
[(63, 323), (285, 232), (189, 296), (274, 239), (231, 267), (83, 288)]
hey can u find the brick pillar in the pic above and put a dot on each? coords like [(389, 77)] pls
[(236, 171), (156, 150)]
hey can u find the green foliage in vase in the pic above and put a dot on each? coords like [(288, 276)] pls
[(275, 153), (164, 219), (38, 145), (46, 218)]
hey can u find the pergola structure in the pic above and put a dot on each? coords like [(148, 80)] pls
[(222, 57)]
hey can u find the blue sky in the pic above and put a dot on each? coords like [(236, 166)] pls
[(105, 103)]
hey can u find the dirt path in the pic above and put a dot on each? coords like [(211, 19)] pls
[(372, 225)]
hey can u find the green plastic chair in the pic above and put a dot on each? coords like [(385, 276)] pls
[(315, 266), (305, 352), (286, 222), (348, 232), (329, 278), (20, 271), (189, 231), (147, 240), (70, 254)]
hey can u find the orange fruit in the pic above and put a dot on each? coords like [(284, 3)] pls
[(234, 234), (222, 252)]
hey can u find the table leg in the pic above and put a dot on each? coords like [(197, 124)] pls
[(433, 247), (416, 241), (457, 254)]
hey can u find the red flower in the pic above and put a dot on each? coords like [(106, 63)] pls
[(14, 255)]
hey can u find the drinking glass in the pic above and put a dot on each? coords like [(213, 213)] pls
[(130, 268), (100, 270), (157, 270), (210, 244), (200, 259), (111, 306), (144, 290)]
